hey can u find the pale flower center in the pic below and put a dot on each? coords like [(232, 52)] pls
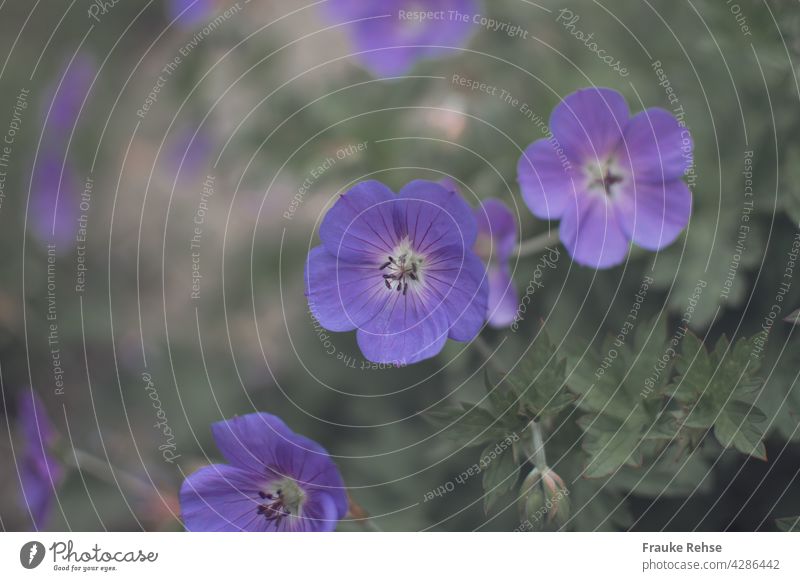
[(282, 499), (403, 268), (603, 176)]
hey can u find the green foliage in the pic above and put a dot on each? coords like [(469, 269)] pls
[(621, 390), (499, 474), (534, 389), (716, 390)]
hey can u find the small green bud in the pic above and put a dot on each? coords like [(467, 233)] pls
[(544, 502)]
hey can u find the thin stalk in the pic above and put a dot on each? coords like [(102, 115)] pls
[(90, 463), (537, 243), (538, 457)]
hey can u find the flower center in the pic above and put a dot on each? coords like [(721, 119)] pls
[(603, 176), (282, 499), (403, 267)]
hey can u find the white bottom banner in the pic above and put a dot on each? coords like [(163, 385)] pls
[(389, 556)]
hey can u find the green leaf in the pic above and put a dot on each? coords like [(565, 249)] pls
[(672, 474), (467, 424), (500, 473), (788, 524), (737, 427), (610, 444), (623, 391), (717, 389), (539, 380)]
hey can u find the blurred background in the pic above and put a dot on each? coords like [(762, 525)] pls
[(166, 178)]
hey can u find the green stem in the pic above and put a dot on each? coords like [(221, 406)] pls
[(538, 457), (487, 351), (90, 463), (537, 243)]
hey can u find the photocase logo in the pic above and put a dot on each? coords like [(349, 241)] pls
[(31, 554)]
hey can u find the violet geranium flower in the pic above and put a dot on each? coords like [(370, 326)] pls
[(69, 93), (400, 269), (611, 179), (392, 35), (54, 201), (189, 12), (497, 240), (40, 474), (275, 480)]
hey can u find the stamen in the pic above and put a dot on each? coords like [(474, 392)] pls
[(385, 265)]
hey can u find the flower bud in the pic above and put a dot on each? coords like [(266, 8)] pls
[(544, 502)]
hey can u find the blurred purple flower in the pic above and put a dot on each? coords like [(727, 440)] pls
[(189, 149), (611, 178), (69, 91), (189, 12), (40, 474), (392, 40), (275, 480), (496, 242), (53, 209), (400, 269)]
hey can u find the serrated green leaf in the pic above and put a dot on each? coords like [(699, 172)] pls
[(500, 474), (717, 389), (610, 444), (737, 427), (672, 474), (468, 424), (539, 380)]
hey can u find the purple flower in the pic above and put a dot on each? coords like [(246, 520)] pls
[(189, 12), (275, 480), (69, 92), (392, 36), (610, 178), (400, 269), (188, 151), (53, 207), (40, 474), (497, 240)]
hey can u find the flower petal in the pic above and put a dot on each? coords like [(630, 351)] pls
[(589, 123), (503, 297), (40, 473), (391, 45), (434, 217), (221, 498), (407, 330), (655, 148), (653, 215), (458, 282), (497, 222), (360, 225), (251, 441), (592, 234), (342, 295), (308, 463), (547, 179), (320, 514)]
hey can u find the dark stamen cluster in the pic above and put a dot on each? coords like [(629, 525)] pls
[(607, 180), (274, 510), (399, 269)]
